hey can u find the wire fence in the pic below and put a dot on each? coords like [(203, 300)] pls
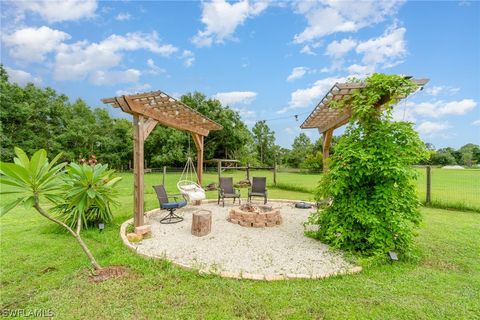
[(446, 188), (449, 188)]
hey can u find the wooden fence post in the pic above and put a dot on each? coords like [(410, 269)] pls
[(275, 174), (428, 197), (248, 171), (164, 174), (219, 169)]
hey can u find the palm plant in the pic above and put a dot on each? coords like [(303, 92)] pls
[(89, 192), (36, 179)]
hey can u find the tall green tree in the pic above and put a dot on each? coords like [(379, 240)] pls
[(443, 157), (231, 141), (468, 153), (35, 118), (30, 117), (302, 147), (264, 139)]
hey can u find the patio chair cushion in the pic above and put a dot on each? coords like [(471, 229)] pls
[(174, 205), (189, 187), (196, 195), (231, 195)]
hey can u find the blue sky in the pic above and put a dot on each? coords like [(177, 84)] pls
[(269, 60)]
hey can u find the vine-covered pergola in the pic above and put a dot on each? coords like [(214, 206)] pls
[(151, 108), (326, 119)]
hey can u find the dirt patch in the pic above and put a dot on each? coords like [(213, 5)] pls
[(109, 273)]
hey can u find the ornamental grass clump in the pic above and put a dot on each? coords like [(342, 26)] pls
[(370, 179)]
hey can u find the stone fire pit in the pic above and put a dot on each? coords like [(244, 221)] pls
[(256, 216)]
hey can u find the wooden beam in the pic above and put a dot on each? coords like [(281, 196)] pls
[(138, 169), (199, 139), (327, 140), (150, 124), (336, 122), (167, 121)]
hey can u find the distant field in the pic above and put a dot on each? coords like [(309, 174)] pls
[(450, 188)]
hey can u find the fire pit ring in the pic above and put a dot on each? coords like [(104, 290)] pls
[(255, 216)]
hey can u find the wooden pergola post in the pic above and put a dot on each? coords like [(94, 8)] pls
[(141, 130), (198, 139), (327, 141), (138, 169)]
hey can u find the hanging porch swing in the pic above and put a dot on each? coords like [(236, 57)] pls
[(187, 185)]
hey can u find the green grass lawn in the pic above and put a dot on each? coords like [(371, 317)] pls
[(43, 268)]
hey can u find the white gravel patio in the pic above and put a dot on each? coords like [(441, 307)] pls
[(270, 253)]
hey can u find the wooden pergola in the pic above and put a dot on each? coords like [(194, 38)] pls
[(327, 119), (151, 108)]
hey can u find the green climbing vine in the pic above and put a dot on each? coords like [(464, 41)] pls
[(370, 179)]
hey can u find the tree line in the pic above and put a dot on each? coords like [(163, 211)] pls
[(32, 118), (467, 155)]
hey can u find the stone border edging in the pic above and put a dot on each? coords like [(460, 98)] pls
[(233, 275)]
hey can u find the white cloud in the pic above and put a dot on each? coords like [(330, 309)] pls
[(359, 69), (235, 97), (114, 77), (441, 108), (189, 57), (402, 113), (123, 16), (58, 11), (386, 50), (303, 98), (138, 88), (21, 77), (154, 69), (338, 49), (221, 18), (297, 73), (436, 90), (327, 17), (308, 48), (429, 128), (74, 61), (476, 122), (245, 113), (33, 44)]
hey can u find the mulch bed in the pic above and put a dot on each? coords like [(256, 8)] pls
[(109, 273)]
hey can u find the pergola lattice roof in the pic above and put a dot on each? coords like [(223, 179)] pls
[(166, 110), (325, 118)]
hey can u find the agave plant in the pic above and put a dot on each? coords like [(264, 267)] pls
[(89, 194), (37, 179)]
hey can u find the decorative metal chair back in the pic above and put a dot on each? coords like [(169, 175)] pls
[(227, 185), (259, 184), (161, 194)]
